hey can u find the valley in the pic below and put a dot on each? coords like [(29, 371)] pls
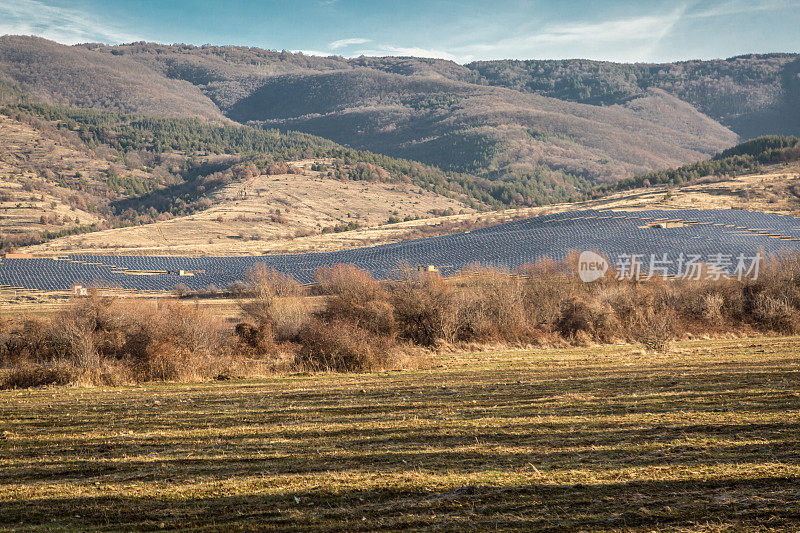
[(330, 265)]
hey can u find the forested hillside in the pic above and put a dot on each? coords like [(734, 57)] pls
[(747, 157), (76, 76), (752, 95), (527, 132), (65, 170)]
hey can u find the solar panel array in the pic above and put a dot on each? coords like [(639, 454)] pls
[(613, 233)]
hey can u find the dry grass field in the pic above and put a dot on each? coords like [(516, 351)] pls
[(773, 190), (240, 225), (266, 212), (15, 304), (23, 152), (705, 438)]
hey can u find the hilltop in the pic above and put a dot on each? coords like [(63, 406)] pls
[(64, 172), (760, 175), (155, 142), (542, 147), (753, 95)]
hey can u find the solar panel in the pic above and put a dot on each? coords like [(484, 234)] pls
[(616, 234)]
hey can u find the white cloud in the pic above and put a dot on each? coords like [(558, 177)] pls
[(343, 43), (627, 39), (737, 7), (312, 53), (67, 26), (392, 50)]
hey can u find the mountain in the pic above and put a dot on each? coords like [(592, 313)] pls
[(752, 95), (523, 132), (433, 111), (75, 76)]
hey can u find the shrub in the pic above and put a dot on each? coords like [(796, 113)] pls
[(424, 308), (546, 284), (654, 329), (105, 341), (274, 300), (354, 296), (28, 374), (775, 314), (590, 317), (173, 342), (340, 346), (491, 305)]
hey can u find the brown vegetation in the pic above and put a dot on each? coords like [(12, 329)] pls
[(106, 341), (442, 114), (354, 323), (702, 439)]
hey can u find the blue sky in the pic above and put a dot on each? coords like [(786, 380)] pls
[(461, 30)]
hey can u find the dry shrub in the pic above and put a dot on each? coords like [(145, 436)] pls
[(263, 287), (27, 374), (79, 335), (711, 305), (775, 314), (174, 342), (589, 317), (654, 329), (546, 284), (289, 316), (27, 342), (254, 340), (101, 341), (340, 346), (773, 300), (64, 372), (356, 297), (424, 308), (277, 305), (491, 306), (624, 298)]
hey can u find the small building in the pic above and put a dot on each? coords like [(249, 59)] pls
[(79, 290)]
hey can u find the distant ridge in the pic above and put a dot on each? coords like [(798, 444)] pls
[(433, 111)]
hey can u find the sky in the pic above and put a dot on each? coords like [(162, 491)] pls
[(460, 30)]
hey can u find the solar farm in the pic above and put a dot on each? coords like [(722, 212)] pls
[(616, 234)]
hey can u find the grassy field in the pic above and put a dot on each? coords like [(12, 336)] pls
[(705, 438), (265, 213), (241, 226)]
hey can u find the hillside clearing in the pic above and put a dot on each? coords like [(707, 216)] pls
[(254, 216), (704, 438), (372, 203)]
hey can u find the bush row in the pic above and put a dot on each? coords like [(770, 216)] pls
[(349, 322)]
